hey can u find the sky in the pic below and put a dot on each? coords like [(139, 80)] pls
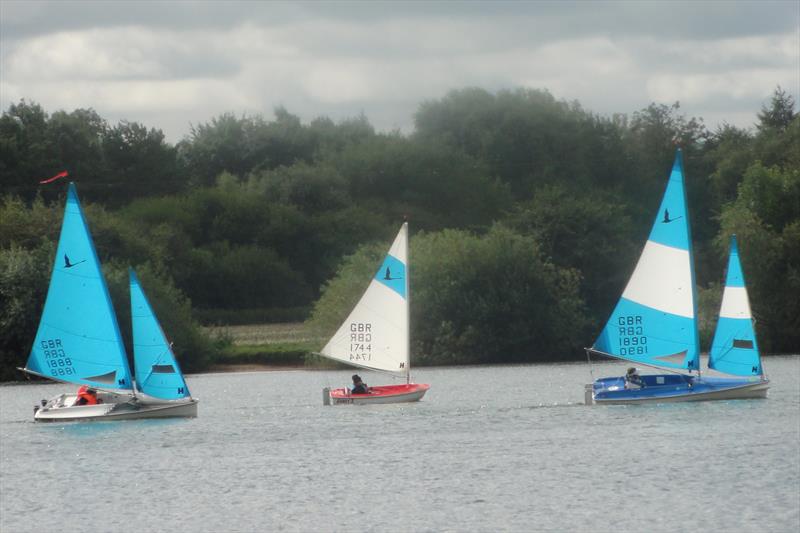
[(171, 65)]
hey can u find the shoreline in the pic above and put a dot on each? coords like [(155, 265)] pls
[(261, 367), (250, 367)]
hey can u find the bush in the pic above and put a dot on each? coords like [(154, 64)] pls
[(24, 275)]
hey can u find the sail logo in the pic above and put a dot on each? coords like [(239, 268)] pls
[(632, 338), (667, 220), (360, 341), (388, 275), (67, 263), (392, 274)]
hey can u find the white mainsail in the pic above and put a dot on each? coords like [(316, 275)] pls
[(376, 334)]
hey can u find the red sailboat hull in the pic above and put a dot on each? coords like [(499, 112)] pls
[(410, 392)]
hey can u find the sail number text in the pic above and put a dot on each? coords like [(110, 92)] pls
[(360, 341), (57, 361), (632, 340)]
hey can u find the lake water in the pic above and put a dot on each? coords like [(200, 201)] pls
[(489, 448)]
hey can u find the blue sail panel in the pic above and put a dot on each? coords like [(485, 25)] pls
[(157, 370), (734, 349), (78, 339), (671, 226), (392, 273), (645, 335)]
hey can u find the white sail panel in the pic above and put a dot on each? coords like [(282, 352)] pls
[(735, 303), (662, 280), (376, 333)]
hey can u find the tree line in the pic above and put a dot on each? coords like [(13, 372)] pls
[(527, 214)]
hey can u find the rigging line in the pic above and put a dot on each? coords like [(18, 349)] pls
[(726, 352), (158, 360)]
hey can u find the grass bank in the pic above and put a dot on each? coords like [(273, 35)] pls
[(272, 345)]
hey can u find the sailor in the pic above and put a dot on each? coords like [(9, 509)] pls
[(359, 387), (86, 396), (633, 380)]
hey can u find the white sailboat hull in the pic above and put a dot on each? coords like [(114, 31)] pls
[(62, 409)]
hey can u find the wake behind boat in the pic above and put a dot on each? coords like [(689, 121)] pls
[(655, 322), (79, 342), (376, 334)]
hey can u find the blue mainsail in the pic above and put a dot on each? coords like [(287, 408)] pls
[(734, 349), (157, 371), (654, 321), (78, 340)]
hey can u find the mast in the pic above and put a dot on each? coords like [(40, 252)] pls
[(691, 265), (408, 303)]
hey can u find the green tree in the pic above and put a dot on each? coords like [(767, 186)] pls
[(780, 113), (525, 137), (26, 154), (766, 219), (23, 285), (139, 162), (492, 299), (434, 185), (588, 231)]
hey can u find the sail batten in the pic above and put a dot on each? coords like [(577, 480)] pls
[(655, 319), (157, 370), (78, 340), (734, 349), (375, 334)]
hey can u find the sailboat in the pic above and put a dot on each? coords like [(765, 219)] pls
[(655, 322), (376, 334), (79, 341), (734, 349)]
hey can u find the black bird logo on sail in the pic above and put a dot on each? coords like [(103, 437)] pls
[(67, 264), (667, 220), (388, 275)]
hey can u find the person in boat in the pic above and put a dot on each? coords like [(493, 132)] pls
[(633, 380), (359, 387), (87, 396)]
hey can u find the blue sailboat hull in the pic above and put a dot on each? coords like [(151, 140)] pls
[(665, 388)]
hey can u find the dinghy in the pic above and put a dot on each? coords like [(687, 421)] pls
[(655, 322), (79, 342), (376, 334)]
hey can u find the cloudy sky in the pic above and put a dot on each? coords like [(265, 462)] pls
[(172, 64)]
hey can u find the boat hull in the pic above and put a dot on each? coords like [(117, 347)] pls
[(678, 388), (411, 392), (62, 409)]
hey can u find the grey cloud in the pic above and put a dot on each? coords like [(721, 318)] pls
[(384, 58), (534, 20)]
